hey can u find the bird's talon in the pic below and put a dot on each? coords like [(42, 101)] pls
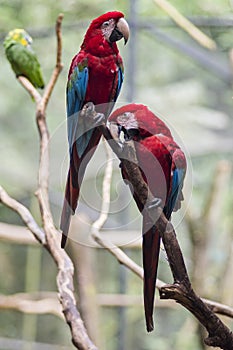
[(155, 203), (99, 119), (88, 110)]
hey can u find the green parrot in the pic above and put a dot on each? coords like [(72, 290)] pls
[(22, 58)]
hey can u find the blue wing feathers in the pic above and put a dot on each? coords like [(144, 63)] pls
[(81, 84), (76, 92), (177, 184), (119, 83)]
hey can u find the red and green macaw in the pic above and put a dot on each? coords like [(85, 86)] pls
[(163, 167), (22, 58), (96, 75)]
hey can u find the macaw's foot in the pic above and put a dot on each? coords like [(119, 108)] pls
[(154, 209), (154, 203), (99, 119), (88, 111)]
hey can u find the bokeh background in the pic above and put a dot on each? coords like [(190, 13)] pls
[(188, 86)]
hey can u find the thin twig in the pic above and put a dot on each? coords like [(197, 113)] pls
[(188, 26), (58, 67), (98, 224)]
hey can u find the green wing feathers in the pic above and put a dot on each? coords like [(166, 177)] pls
[(22, 58), (24, 62)]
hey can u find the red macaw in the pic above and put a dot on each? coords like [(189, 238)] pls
[(96, 75), (163, 167)]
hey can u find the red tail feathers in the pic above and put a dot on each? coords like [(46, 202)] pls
[(151, 247), (69, 206)]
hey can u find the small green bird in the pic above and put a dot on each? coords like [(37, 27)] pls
[(22, 58)]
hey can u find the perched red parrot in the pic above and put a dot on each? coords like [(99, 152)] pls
[(96, 75), (163, 167)]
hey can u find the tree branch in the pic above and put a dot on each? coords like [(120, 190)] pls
[(27, 85), (98, 224), (25, 215), (58, 67), (65, 266), (34, 303)]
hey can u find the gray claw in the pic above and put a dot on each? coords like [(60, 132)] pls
[(88, 109), (155, 203), (99, 119), (154, 208)]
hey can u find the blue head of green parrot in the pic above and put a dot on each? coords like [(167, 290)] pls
[(22, 58)]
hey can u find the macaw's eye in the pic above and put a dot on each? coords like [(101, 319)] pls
[(105, 24)]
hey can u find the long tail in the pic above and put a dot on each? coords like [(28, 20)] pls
[(151, 247), (69, 206), (73, 184), (74, 181)]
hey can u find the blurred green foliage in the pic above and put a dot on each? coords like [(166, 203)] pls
[(196, 103)]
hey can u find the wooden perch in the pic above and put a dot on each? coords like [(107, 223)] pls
[(181, 290)]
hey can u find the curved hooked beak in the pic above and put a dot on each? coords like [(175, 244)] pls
[(115, 130), (120, 31)]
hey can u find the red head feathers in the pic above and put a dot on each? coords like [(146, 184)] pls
[(104, 31), (146, 120)]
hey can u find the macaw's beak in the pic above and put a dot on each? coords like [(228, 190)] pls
[(115, 130), (120, 31), (128, 134)]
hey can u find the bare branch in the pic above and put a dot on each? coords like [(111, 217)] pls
[(16, 234), (36, 303), (65, 266), (24, 213), (119, 300), (58, 67), (30, 88), (98, 224), (188, 26), (219, 308), (119, 255)]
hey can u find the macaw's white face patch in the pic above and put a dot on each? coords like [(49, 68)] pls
[(127, 120)]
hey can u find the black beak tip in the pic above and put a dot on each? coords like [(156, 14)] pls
[(115, 36)]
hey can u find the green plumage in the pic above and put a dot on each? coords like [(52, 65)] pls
[(22, 58)]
